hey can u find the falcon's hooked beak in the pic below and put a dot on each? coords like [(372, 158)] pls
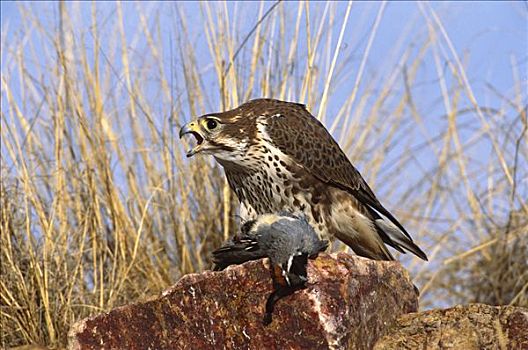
[(194, 129)]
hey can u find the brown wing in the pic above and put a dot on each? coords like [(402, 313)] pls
[(302, 137)]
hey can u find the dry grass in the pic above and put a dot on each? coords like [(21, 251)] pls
[(100, 208)]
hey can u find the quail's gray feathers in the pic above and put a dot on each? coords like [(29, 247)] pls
[(287, 239)]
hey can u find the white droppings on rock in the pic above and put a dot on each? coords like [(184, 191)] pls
[(327, 321), (245, 334)]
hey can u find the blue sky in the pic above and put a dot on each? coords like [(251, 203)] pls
[(491, 32)]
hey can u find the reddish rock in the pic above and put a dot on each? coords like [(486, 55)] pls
[(475, 326), (348, 303)]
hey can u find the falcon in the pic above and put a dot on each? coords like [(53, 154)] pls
[(278, 157)]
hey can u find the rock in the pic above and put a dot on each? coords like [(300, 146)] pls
[(475, 326), (348, 303)]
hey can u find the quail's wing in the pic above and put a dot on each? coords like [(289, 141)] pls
[(237, 251), (311, 146)]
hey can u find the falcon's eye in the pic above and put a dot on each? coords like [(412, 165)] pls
[(212, 124)]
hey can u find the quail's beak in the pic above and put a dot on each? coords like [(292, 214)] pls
[(193, 128)]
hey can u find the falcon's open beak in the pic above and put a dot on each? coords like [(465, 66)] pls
[(193, 128)]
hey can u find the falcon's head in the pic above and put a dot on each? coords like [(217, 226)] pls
[(229, 135), (224, 135)]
